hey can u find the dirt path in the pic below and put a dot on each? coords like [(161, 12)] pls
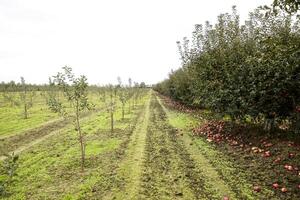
[(130, 170), (159, 164)]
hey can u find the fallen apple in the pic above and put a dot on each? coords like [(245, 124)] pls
[(283, 189), (254, 148), (209, 140), (290, 144), (226, 198), (291, 155), (256, 189), (286, 166), (268, 145), (296, 168), (275, 185), (267, 154), (277, 160), (290, 168)]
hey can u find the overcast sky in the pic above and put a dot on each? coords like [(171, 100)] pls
[(101, 39)]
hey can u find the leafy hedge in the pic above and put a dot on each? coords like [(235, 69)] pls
[(249, 71)]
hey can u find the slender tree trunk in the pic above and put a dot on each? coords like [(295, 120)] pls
[(111, 112), (133, 102), (123, 105), (25, 104), (81, 139), (129, 110), (112, 121), (25, 111)]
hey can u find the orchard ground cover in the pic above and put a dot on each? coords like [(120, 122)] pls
[(160, 150), (12, 121)]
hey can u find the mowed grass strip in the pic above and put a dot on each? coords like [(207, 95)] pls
[(169, 171), (130, 169)]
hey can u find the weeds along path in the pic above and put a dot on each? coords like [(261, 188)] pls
[(20, 142)]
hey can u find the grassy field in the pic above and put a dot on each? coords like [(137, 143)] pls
[(152, 154), (12, 120)]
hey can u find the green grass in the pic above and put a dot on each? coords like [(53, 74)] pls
[(12, 118), (131, 168), (51, 168), (12, 121), (182, 120)]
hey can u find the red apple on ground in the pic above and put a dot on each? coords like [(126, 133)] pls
[(268, 145), (275, 185), (298, 109), (254, 148), (290, 144), (296, 168), (277, 160), (290, 168), (286, 166), (209, 140), (291, 155), (267, 154), (283, 189), (256, 189)]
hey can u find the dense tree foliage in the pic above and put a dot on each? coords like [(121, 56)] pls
[(290, 6), (249, 71)]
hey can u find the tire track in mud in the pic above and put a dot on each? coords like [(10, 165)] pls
[(169, 171)]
